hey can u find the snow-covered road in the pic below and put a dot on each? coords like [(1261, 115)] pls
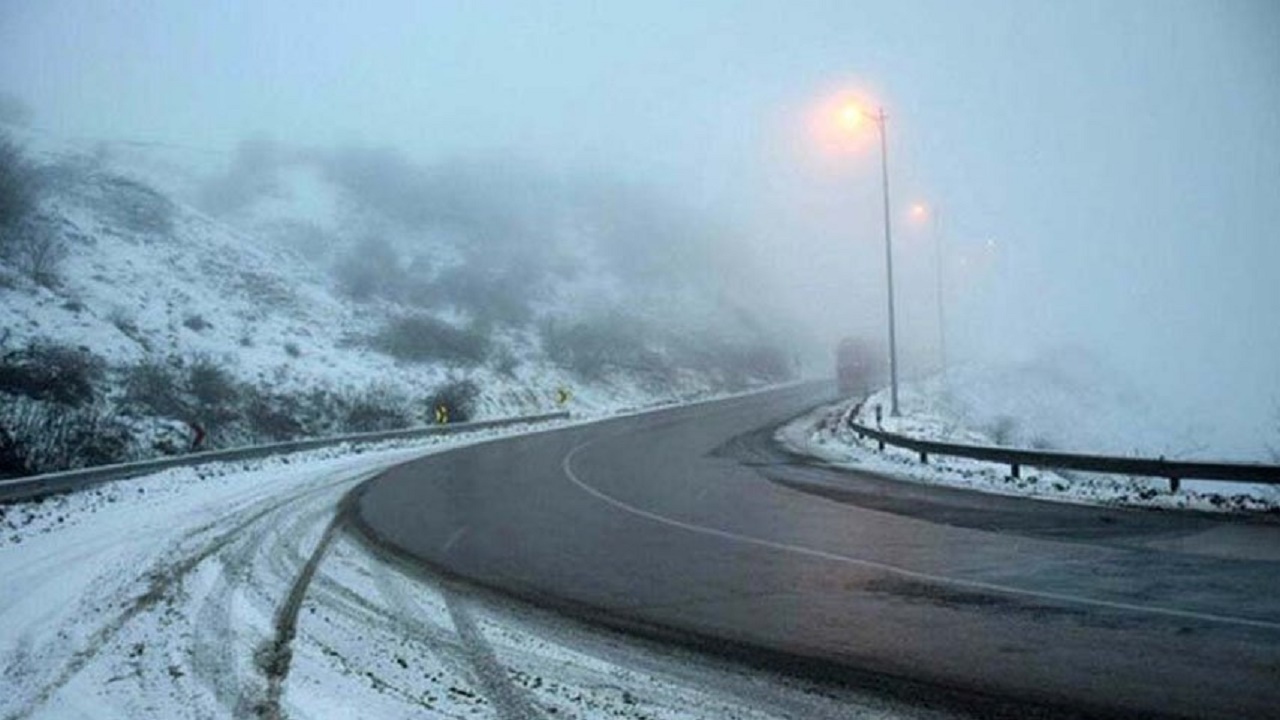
[(236, 591)]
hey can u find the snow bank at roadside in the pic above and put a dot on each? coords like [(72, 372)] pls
[(928, 412), (21, 521)]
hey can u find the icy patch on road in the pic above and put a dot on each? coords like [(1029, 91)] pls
[(825, 435)]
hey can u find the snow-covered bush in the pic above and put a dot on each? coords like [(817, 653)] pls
[(273, 417), (199, 392), (50, 372), (36, 251), (210, 384), (28, 242), (39, 437), (377, 408), (155, 387)]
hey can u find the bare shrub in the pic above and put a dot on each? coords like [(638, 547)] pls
[(1002, 429), (591, 349), (196, 322), (19, 185), (51, 372), (369, 270), (377, 408), (457, 397), (36, 251), (215, 391), (200, 392), (39, 437), (12, 458), (26, 240), (321, 412), (421, 338), (272, 416), (155, 387), (136, 207), (266, 290)]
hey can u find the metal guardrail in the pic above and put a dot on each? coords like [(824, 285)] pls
[(39, 486), (1174, 470)]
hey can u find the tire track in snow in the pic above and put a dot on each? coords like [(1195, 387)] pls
[(508, 702), (276, 656), (161, 578)]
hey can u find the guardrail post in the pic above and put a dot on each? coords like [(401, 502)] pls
[(880, 441), (1174, 484), (1015, 470), (924, 458)]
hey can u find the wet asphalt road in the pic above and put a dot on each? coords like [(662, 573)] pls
[(692, 525)]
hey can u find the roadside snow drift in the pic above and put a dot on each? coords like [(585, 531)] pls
[(1067, 404)]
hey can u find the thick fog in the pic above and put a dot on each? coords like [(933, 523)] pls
[(1101, 175)]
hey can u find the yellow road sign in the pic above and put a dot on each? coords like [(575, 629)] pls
[(442, 414), (563, 396)]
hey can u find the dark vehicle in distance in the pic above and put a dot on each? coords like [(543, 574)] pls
[(860, 367)]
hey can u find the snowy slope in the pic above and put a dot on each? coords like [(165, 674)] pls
[(150, 279), (1067, 401), (133, 288)]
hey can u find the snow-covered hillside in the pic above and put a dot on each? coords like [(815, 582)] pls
[(313, 303), (1065, 401)]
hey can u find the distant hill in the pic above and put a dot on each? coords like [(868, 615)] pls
[(287, 294)]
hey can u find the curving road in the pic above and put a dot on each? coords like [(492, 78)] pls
[(236, 590), (689, 524)]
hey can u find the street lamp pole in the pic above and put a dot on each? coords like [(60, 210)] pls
[(888, 257)]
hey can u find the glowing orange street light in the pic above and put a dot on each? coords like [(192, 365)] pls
[(851, 117)]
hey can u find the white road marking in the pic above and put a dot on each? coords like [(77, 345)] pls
[(453, 539), (567, 463)]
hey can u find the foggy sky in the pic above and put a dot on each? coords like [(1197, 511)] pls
[(1109, 171)]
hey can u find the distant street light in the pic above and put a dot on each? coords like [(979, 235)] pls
[(851, 116)]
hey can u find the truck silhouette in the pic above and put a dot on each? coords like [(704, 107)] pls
[(860, 367)]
